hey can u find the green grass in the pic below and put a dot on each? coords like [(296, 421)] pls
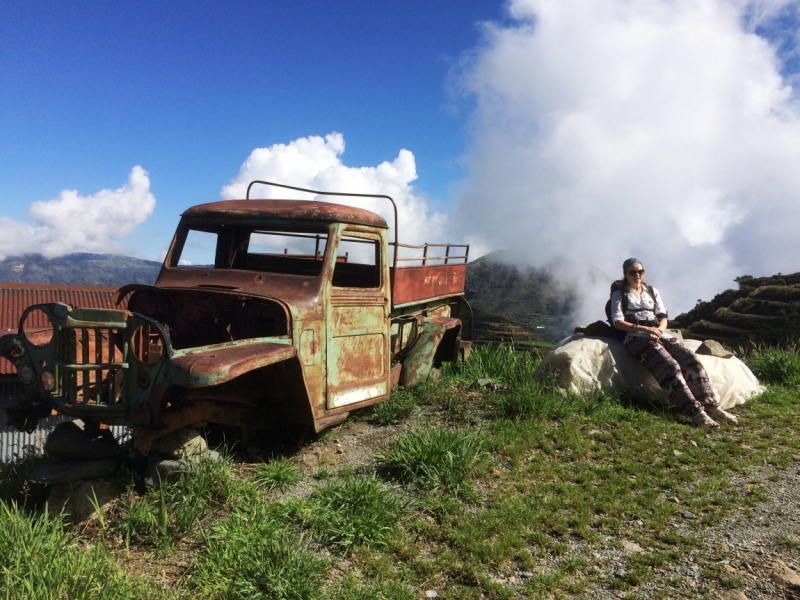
[(436, 458), (253, 555), (398, 408), (40, 557), (278, 473), (481, 485), (498, 363), (160, 519), (359, 511), (775, 366)]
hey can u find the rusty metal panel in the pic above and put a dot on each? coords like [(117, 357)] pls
[(417, 365), (417, 284), (308, 210), (357, 354), (216, 364), (16, 297)]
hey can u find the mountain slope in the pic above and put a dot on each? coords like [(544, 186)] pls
[(524, 295), (79, 269)]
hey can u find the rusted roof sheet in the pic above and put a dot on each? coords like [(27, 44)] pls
[(16, 297), (289, 209)]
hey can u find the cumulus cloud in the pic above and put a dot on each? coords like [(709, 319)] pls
[(662, 129), (316, 163), (75, 223)]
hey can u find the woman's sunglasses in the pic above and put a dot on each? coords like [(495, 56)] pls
[(633, 272)]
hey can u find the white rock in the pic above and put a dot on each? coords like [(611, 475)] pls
[(584, 363)]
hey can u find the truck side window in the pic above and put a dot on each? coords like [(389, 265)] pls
[(199, 250), (357, 263)]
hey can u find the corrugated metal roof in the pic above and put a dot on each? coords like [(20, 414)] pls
[(16, 297)]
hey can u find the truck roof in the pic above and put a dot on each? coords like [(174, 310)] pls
[(309, 210)]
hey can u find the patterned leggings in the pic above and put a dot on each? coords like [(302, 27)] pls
[(677, 371)]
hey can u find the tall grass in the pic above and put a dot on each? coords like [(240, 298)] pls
[(359, 511), (40, 558), (252, 555), (161, 518), (436, 458), (500, 363), (775, 365)]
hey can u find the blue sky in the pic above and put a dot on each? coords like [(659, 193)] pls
[(188, 89)]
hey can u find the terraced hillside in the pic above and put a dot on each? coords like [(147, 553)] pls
[(762, 310)]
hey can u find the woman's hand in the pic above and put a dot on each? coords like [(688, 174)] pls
[(654, 333)]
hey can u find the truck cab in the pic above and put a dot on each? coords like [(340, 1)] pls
[(264, 311)]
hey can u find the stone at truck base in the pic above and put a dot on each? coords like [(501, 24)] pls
[(69, 440), (76, 499), (66, 470), (163, 469), (183, 443)]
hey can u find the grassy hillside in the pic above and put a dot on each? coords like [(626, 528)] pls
[(764, 310), (521, 492), (79, 269), (524, 295)]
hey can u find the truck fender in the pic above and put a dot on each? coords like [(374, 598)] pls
[(420, 359)]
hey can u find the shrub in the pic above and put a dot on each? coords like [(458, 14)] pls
[(277, 473), (14, 484), (436, 458)]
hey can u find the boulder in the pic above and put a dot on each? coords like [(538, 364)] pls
[(581, 364)]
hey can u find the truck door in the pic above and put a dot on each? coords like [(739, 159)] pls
[(358, 322)]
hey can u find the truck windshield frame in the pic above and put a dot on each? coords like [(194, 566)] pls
[(258, 247)]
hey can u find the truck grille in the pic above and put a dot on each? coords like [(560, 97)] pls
[(89, 364)]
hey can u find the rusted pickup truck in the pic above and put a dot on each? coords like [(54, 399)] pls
[(265, 312)]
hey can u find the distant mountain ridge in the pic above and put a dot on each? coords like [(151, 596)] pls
[(79, 269)]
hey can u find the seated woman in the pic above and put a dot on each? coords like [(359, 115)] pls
[(637, 309)]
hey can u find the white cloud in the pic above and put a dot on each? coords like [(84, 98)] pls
[(75, 223), (315, 163), (661, 129)]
